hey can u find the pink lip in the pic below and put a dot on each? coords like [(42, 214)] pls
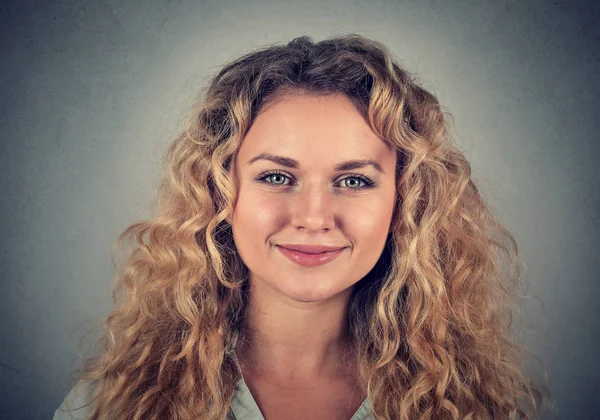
[(310, 260), (311, 249)]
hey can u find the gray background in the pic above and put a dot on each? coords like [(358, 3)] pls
[(92, 93)]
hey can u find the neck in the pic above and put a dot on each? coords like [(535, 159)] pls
[(294, 341)]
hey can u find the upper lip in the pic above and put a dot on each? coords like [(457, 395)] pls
[(311, 249)]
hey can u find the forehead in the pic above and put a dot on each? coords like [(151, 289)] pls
[(314, 129)]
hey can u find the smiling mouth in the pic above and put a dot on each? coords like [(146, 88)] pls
[(310, 260)]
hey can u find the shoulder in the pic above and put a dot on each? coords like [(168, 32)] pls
[(76, 405)]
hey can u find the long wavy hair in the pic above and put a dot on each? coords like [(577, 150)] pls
[(430, 322)]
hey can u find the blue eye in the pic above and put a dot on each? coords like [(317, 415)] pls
[(272, 177), (276, 178)]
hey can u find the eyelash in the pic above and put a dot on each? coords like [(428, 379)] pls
[(368, 183)]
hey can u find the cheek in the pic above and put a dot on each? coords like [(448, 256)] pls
[(257, 219), (262, 215), (259, 216), (368, 218)]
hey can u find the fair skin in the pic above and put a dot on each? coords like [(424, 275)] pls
[(297, 315)]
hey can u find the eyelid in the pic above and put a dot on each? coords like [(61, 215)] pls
[(369, 183)]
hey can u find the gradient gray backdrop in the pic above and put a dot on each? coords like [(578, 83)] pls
[(92, 93)]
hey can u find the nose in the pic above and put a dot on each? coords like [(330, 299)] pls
[(313, 209)]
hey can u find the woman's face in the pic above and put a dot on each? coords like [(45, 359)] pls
[(305, 199)]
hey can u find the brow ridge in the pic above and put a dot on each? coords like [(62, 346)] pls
[(294, 164)]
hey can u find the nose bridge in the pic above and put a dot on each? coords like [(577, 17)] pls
[(314, 206)]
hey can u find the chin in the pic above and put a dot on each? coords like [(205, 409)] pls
[(306, 292)]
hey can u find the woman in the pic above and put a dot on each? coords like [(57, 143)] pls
[(319, 251)]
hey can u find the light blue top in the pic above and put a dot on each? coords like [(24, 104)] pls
[(243, 405)]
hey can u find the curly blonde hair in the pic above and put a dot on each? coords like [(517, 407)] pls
[(430, 322)]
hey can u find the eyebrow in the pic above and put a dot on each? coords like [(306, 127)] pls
[(291, 163)]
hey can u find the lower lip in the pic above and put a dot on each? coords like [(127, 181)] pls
[(310, 260)]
